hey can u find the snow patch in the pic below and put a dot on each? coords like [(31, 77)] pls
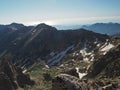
[(81, 75), (24, 71), (87, 55), (98, 45), (84, 54), (107, 47), (56, 59), (74, 54), (73, 60), (92, 59), (104, 45), (46, 66), (52, 54), (96, 41)]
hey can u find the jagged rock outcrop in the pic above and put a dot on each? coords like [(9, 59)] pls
[(12, 77)]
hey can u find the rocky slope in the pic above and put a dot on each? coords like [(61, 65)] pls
[(68, 82), (12, 77), (67, 56), (107, 65), (30, 44), (69, 76), (103, 74)]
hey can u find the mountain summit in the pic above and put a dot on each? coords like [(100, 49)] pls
[(12, 26), (43, 25), (15, 25)]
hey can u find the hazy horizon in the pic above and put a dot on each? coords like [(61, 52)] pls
[(59, 12)]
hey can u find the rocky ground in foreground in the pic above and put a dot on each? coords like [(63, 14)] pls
[(12, 77), (66, 76)]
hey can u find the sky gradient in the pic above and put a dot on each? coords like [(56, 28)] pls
[(65, 12)]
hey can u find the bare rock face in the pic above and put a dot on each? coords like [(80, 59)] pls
[(11, 77)]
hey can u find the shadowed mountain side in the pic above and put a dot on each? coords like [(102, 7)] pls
[(12, 77)]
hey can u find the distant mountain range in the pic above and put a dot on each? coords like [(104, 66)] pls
[(67, 27), (104, 28)]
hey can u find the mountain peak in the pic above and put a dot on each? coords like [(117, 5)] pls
[(15, 26), (44, 26)]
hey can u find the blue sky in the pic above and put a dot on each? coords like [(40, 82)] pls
[(55, 12)]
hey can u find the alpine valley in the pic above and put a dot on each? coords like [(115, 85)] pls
[(44, 58)]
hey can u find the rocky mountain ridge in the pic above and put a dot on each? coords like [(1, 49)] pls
[(68, 57), (103, 28), (30, 44)]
